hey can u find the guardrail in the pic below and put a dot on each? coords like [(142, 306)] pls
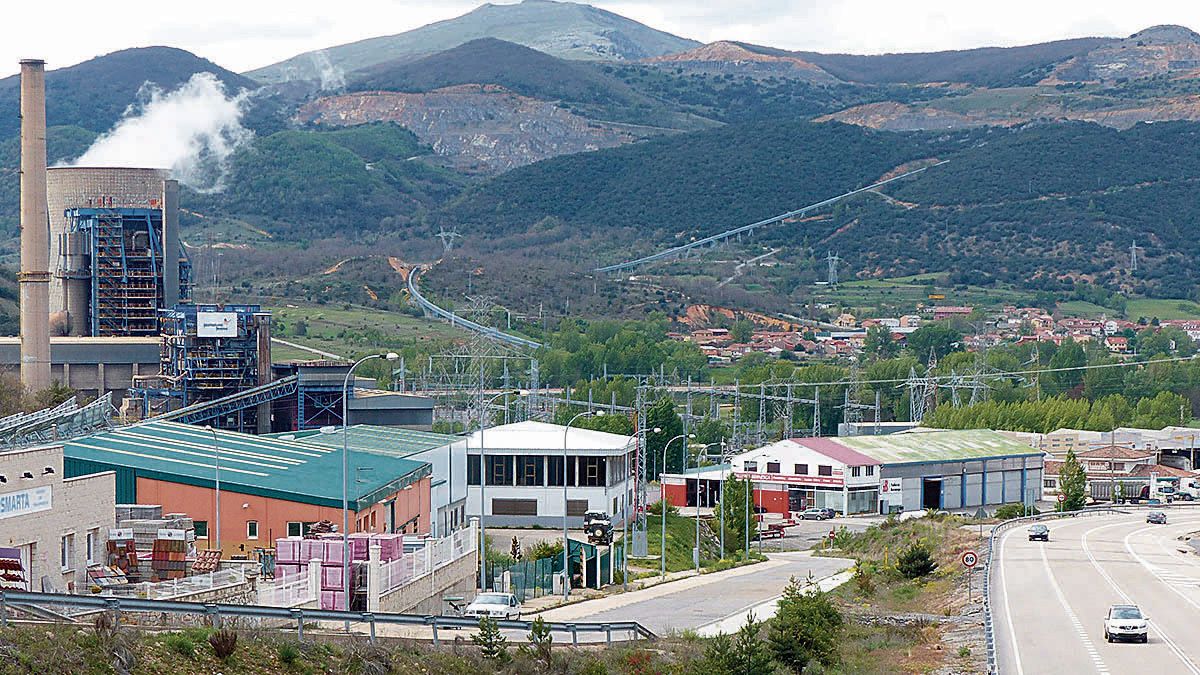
[(216, 612), (988, 625), (456, 320)]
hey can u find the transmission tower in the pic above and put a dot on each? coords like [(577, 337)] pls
[(447, 238), (832, 259), (1133, 249)]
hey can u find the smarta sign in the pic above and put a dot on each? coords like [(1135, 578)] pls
[(25, 502)]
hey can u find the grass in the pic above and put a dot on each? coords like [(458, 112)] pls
[(681, 538), (903, 294), (1161, 308), (350, 329)]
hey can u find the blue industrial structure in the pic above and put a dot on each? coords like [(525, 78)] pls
[(114, 267)]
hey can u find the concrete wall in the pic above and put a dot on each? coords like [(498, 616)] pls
[(79, 506), (988, 482), (424, 595), (93, 366)]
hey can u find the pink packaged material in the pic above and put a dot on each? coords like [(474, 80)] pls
[(286, 570), (288, 550), (331, 577), (311, 548), (331, 551), (333, 600)]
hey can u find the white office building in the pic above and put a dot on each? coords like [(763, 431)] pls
[(515, 473)]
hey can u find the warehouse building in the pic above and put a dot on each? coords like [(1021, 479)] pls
[(269, 487), (878, 474), (524, 473), (446, 459), (51, 527)]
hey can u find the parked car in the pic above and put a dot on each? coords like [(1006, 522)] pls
[(1126, 622), (1156, 517), (1039, 531), (814, 514), (494, 605), (830, 513), (598, 526)]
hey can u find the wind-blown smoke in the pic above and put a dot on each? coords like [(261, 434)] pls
[(192, 131), (332, 77)]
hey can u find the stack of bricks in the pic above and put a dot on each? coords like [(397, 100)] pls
[(294, 555), (169, 556)]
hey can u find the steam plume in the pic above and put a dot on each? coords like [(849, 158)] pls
[(332, 77), (192, 131)]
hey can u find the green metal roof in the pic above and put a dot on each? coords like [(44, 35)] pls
[(257, 465), (936, 446), (392, 441)]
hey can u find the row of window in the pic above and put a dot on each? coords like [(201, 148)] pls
[(539, 471), (67, 549), (802, 469)]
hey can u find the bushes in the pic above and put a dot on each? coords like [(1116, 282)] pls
[(805, 629), (546, 548), (492, 644), (864, 578), (741, 654), (180, 644), (1010, 511), (916, 561), (224, 642), (287, 652)]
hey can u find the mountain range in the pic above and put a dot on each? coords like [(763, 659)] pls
[(555, 136)]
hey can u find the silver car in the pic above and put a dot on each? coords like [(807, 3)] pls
[(1126, 622)]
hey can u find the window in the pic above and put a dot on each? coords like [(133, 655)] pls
[(500, 470), (855, 471), (530, 471), (252, 529), (554, 471), (591, 470), (514, 507), (201, 527), (1049, 483), (472, 469), (824, 470), (870, 470), (295, 529), (577, 507), (773, 467), (91, 547), (750, 466), (801, 470), (67, 553)]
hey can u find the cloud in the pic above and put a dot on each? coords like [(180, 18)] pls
[(192, 131)]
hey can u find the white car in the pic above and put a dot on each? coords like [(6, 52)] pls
[(1126, 622), (494, 605)]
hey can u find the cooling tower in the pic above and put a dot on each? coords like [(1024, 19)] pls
[(34, 278)]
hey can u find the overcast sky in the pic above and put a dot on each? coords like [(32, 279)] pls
[(247, 34)]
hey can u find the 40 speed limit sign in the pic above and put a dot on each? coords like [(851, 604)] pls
[(969, 559)]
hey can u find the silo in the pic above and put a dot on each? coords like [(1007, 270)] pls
[(71, 292)]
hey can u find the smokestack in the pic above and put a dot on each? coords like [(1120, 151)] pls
[(170, 240), (35, 230)]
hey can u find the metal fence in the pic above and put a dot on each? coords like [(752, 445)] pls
[(435, 555), (286, 592), (215, 613), (528, 579)]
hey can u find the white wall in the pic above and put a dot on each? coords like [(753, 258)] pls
[(449, 465)]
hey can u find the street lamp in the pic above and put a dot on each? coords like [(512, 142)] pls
[(566, 536), (390, 356), (482, 486), (625, 512), (662, 507), (217, 466)]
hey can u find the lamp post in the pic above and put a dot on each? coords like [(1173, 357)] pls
[(566, 536), (625, 514), (390, 356), (482, 488), (662, 507), (217, 467)]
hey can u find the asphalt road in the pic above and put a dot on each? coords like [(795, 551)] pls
[(698, 601), (1049, 599)]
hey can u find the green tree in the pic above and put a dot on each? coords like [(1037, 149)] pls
[(741, 331), (663, 416), (491, 642), (1072, 483), (879, 343), (916, 561), (1069, 355), (736, 508), (939, 338), (805, 629)]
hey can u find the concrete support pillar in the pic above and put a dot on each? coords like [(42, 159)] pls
[(374, 576), (314, 580)]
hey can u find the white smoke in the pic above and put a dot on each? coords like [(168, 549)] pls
[(332, 77), (192, 131)]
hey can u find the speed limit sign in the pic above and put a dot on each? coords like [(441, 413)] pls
[(1062, 497), (969, 559)]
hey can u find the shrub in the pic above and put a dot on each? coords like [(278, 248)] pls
[(741, 653), (657, 507), (180, 644), (805, 629), (864, 578), (287, 652), (964, 651), (1010, 511), (492, 644), (916, 561), (546, 548), (224, 642), (540, 643)]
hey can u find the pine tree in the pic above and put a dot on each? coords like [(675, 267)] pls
[(492, 644), (805, 629), (1072, 483)]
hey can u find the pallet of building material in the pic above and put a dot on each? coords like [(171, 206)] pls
[(106, 576), (207, 561), (12, 571), (169, 556), (287, 550), (138, 512)]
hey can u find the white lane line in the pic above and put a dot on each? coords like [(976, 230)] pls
[(1079, 629), (1012, 628), (1187, 661), (1156, 571)]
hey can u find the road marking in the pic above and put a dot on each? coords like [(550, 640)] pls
[(1187, 661), (1079, 629), (1012, 628)]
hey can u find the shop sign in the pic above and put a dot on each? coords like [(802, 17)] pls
[(25, 502)]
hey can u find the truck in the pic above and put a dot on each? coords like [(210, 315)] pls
[(1188, 490), (1158, 491)]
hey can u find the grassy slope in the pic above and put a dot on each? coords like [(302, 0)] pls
[(342, 331)]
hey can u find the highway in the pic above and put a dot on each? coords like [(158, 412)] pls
[(1049, 599)]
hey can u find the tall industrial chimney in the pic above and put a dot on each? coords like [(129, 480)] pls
[(35, 230)]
